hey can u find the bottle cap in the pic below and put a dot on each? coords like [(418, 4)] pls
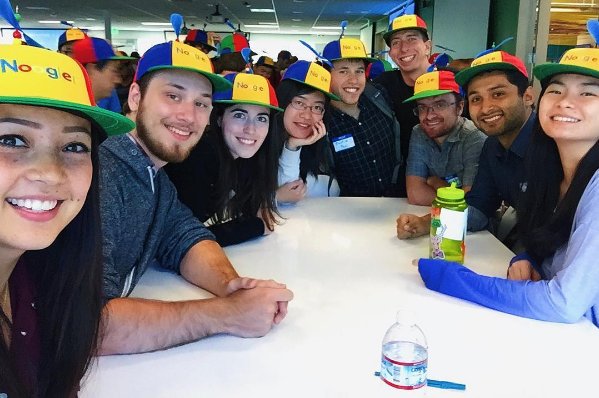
[(450, 193)]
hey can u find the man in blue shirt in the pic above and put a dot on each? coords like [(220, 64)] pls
[(500, 102)]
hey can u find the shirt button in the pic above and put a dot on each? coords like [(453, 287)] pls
[(133, 152), (359, 123), (374, 161), (368, 142), (380, 180)]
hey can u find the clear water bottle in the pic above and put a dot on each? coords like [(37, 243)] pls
[(405, 354)]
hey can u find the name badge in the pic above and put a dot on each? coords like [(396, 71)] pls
[(343, 142)]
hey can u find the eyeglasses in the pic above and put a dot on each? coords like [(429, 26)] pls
[(301, 106), (435, 107)]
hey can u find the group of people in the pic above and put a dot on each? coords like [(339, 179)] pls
[(200, 160)]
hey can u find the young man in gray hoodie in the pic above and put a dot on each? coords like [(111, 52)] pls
[(143, 221)]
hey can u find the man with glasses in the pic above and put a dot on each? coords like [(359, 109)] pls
[(444, 146), (362, 129), (500, 101)]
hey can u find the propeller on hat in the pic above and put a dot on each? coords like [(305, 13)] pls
[(318, 55), (440, 61), (493, 48), (593, 28), (177, 22), (10, 17)]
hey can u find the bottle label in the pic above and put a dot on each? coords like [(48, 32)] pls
[(454, 222), (403, 375)]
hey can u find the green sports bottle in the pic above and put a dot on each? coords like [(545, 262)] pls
[(449, 219)]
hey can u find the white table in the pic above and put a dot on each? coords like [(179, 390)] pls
[(350, 275)]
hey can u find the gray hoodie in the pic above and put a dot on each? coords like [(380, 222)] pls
[(142, 219)]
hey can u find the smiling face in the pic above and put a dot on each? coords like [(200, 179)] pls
[(495, 105), (46, 173), (348, 80), (568, 109), (409, 50), (172, 115), (439, 123), (244, 129), (299, 117)]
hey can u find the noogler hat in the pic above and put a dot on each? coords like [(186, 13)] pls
[(434, 83), (311, 74), (581, 61), (377, 67), (233, 43), (265, 61), (176, 55), (405, 22), (196, 36), (248, 89), (70, 35), (346, 48), (93, 50), (40, 77), (496, 60)]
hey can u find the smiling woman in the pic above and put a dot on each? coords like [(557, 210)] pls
[(50, 258), (229, 179)]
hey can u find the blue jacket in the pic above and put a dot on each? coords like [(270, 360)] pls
[(570, 292)]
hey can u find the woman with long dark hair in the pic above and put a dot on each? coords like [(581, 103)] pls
[(50, 238), (304, 167), (556, 278), (229, 180)]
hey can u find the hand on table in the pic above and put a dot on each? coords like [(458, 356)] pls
[(522, 270), (292, 192), (245, 283), (411, 226)]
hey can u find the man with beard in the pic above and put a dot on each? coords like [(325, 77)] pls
[(445, 146), (500, 102), (144, 222), (410, 49), (362, 130)]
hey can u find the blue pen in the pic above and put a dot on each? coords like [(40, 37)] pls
[(446, 385)]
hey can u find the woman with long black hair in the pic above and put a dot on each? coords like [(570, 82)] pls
[(50, 238), (556, 278), (304, 162), (229, 180)]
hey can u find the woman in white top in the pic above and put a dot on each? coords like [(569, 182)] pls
[(304, 167)]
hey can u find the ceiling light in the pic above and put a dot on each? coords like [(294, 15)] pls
[(297, 12), (558, 9), (262, 26), (296, 19), (262, 10), (326, 27), (37, 8), (267, 23), (90, 19), (156, 23), (48, 21)]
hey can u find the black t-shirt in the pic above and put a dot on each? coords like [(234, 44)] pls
[(399, 91)]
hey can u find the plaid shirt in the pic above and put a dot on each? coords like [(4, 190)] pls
[(367, 168)]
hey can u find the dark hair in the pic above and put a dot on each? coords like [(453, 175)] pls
[(513, 76), (313, 158), (67, 277), (231, 62), (254, 180), (545, 221)]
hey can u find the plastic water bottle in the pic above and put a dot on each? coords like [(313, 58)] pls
[(449, 219), (404, 360)]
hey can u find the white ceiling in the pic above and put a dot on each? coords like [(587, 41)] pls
[(290, 16)]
